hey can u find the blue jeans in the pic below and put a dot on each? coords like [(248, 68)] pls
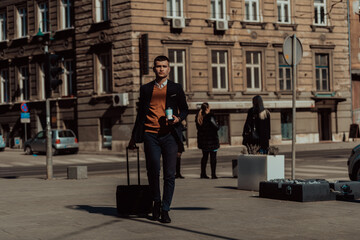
[(155, 146)]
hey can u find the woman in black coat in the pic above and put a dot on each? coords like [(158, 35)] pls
[(207, 138), (257, 126)]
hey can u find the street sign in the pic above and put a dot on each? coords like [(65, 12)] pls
[(288, 50), (24, 108), (25, 117)]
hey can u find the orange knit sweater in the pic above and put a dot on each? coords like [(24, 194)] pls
[(156, 110)]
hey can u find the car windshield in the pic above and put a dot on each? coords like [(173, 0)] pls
[(66, 134)]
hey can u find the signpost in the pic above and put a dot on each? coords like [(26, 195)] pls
[(25, 117), (293, 51)]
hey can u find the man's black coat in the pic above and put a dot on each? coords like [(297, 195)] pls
[(175, 99)]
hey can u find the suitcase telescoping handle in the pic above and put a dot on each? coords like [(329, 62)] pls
[(127, 164)]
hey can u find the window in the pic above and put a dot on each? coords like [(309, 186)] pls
[(177, 66), (2, 26), (174, 8), (286, 124), (101, 10), (223, 132), (320, 12), (252, 10), (65, 14), (284, 74), (4, 87), (41, 135), (43, 16), (22, 30), (24, 83), (253, 70), (218, 9), (219, 66), (322, 72), (106, 132), (283, 11), (104, 73), (69, 78)]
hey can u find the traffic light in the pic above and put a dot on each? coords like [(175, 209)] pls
[(53, 70)]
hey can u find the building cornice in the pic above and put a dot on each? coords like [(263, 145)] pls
[(220, 43)]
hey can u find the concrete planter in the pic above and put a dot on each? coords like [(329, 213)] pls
[(252, 169)]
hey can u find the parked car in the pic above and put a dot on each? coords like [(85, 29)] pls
[(354, 164), (107, 138), (62, 141), (2, 143)]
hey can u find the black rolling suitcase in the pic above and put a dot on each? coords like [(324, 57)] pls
[(133, 199)]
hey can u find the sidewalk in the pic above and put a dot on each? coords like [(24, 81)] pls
[(61, 209)]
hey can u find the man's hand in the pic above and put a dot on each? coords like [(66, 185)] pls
[(176, 120), (132, 144)]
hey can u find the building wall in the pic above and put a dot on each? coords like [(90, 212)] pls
[(198, 39), (355, 57), (29, 51), (355, 34), (94, 110)]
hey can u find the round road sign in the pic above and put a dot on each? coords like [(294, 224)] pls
[(24, 108), (288, 50)]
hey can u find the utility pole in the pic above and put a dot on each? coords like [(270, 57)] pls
[(49, 162), (293, 152)]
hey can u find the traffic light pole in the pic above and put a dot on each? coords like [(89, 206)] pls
[(49, 162)]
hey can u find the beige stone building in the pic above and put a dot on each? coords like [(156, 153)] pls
[(222, 51), (354, 16)]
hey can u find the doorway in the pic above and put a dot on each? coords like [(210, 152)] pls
[(325, 132)]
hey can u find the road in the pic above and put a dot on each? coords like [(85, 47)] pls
[(319, 164)]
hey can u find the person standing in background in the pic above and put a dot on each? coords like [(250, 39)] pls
[(207, 139), (257, 127)]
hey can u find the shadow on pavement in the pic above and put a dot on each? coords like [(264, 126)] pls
[(228, 187), (190, 208), (87, 229), (10, 177), (171, 226), (111, 211), (108, 211)]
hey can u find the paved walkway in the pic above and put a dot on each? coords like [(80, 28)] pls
[(202, 209), (61, 209)]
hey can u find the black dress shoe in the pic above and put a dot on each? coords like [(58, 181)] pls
[(156, 211), (214, 177), (204, 176), (165, 217)]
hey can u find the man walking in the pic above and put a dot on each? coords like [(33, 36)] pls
[(159, 133)]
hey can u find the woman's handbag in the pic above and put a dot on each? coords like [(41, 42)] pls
[(254, 135), (251, 135)]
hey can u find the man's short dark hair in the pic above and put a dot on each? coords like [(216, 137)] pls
[(161, 59)]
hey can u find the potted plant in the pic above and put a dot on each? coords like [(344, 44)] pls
[(254, 167)]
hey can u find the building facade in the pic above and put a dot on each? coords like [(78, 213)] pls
[(22, 66), (223, 52), (354, 16)]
